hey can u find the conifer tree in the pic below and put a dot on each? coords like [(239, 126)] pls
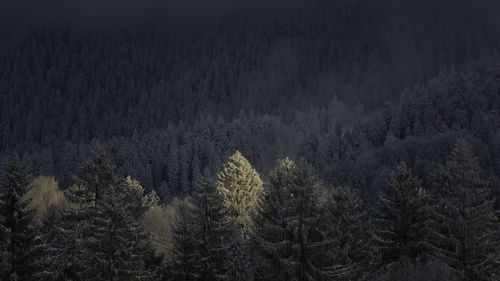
[(290, 237), (464, 229), (213, 234), (241, 189), (69, 230), (24, 254), (400, 217), (351, 254), (116, 245), (185, 259), (101, 235)]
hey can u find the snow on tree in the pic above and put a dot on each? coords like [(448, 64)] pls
[(241, 189)]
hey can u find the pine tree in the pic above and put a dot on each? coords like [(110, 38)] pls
[(290, 238), (117, 242), (97, 174), (185, 260), (241, 189), (100, 238), (69, 229), (24, 252), (272, 237), (213, 234), (464, 230), (206, 245), (351, 252), (400, 217)]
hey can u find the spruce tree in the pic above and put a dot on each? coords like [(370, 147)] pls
[(213, 234), (117, 243), (464, 229), (185, 256), (100, 238), (70, 229), (350, 255), (241, 189), (23, 251), (400, 217), (290, 234), (206, 246)]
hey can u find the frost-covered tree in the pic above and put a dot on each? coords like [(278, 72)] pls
[(464, 229), (241, 189)]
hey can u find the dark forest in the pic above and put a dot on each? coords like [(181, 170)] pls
[(250, 140)]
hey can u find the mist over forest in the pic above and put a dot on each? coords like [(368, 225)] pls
[(250, 140)]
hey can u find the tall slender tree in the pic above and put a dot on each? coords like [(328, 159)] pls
[(214, 232), (185, 259), (464, 231), (24, 254), (400, 217), (351, 254), (290, 236)]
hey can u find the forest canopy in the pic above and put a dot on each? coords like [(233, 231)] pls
[(250, 140)]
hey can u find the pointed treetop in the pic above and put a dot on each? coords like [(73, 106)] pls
[(462, 157), (241, 189)]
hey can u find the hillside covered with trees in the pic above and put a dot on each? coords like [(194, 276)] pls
[(312, 140)]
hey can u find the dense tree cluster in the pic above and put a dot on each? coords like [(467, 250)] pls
[(345, 145), (255, 146), (289, 226), (79, 83)]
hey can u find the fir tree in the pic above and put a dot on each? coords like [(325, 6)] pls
[(213, 234), (400, 217), (241, 189), (100, 238), (465, 231), (23, 251), (185, 257), (290, 237), (350, 255), (117, 242)]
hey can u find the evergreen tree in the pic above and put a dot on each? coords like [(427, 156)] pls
[(400, 217), (214, 233), (351, 254), (24, 254), (241, 189), (100, 237), (272, 237), (116, 246), (185, 256), (69, 230), (290, 237), (465, 231)]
